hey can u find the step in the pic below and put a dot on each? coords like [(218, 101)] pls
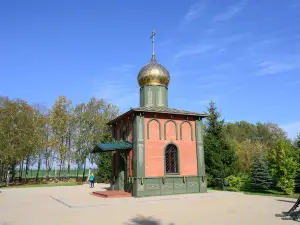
[(112, 194)]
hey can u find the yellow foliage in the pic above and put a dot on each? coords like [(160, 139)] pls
[(248, 151)]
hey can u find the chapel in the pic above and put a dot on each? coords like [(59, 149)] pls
[(157, 150)]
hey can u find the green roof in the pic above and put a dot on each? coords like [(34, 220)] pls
[(112, 146)]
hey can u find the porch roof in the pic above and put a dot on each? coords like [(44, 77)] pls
[(112, 146)]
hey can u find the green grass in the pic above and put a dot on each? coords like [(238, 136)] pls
[(42, 185), (42, 173), (273, 193)]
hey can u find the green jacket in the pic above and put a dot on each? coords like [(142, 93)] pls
[(92, 178)]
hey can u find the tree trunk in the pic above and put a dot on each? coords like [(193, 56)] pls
[(39, 167), (7, 177), (47, 172), (47, 166), (83, 170), (21, 171), (60, 166), (55, 173), (13, 172), (47, 156), (77, 175), (69, 153), (2, 169), (69, 168), (62, 158), (26, 168)]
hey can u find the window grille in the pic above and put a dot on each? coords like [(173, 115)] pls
[(171, 158)]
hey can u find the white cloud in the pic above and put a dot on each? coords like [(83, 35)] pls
[(275, 67), (230, 12), (195, 50), (212, 84), (210, 77), (194, 12), (292, 129), (119, 87), (218, 44), (118, 93), (180, 73), (122, 68)]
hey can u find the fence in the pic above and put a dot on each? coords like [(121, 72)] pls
[(42, 173)]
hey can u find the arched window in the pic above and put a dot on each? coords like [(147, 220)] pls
[(124, 134), (171, 159)]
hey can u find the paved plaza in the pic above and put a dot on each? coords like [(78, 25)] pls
[(75, 205)]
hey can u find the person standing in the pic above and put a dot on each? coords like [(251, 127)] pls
[(92, 180)]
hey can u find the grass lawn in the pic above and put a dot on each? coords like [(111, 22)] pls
[(272, 193), (266, 193), (52, 184)]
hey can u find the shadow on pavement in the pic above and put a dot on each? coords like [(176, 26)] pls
[(142, 220), (107, 188), (281, 200)]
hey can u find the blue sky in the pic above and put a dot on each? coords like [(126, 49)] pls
[(244, 55)]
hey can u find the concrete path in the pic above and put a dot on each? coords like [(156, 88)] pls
[(75, 205)]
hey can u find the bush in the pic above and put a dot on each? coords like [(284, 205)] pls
[(100, 179), (234, 183), (210, 180), (286, 185), (246, 182), (297, 183), (283, 165), (220, 183)]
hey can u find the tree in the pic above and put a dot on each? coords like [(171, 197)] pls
[(59, 121), (48, 153), (283, 166), (29, 136), (39, 139), (220, 155), (104, 162), (81, 133), (241, 131), (91, 119), (9, 135), (297, 141), (260, 176), (270, 133), (297, 156), (250, 150), (14, 134)]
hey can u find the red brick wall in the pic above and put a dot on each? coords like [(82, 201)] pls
[(154, 147)]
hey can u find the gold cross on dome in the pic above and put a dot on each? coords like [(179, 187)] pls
[(152, 37)]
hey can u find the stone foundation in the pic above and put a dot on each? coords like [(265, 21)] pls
[(156, 186)]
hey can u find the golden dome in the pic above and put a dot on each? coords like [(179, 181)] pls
[(153, 73)]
